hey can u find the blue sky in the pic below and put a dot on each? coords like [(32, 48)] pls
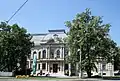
[(38, 16)]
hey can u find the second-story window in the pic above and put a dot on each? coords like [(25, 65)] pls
[(58, 53), (39, 54), (51, 53), (44, 54)]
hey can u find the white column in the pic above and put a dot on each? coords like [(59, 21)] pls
[(63, 67), (41, 52), (46, 53), (46, 66), (40, 66), (60, 52), (30, 60), (31, 56), (69, 69), (30, 63), (37, 54), (77, 68), (69, 65), (63, 52), (61, 55), (37, 66), (113, 69)]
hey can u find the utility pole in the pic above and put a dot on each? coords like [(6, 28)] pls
[(16, 11)]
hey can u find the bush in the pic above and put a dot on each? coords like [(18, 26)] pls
[(22, 71)]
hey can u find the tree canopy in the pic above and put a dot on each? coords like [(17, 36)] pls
[(15, 46), (89, 34)]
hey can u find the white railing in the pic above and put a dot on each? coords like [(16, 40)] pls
[(6, 73)]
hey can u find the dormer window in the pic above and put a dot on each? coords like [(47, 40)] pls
[(55, 36)]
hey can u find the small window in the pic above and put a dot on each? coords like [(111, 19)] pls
[(91, 73), (104, 67), (38, 66), (99, 74), (104, 73), (43, 66)]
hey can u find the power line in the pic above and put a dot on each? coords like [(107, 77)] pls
[(16, 11)]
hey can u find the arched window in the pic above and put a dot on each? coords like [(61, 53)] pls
[(39, 54), (44, 54), (58, 53), (51, 53), (34, 53)]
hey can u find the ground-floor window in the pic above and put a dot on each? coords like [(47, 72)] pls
[(103, 66), (43, 66), (38, 66)]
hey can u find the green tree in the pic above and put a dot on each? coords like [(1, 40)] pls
[(15, 46), (117, 59), (90, 35)]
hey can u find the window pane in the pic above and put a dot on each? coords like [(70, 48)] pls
[(52, 53), (58, 54), (104, 67), (44, 54), (38, 66), (43, 66), (39, 54)]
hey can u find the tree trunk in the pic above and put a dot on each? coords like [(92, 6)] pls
[(89, 73), (89, 60), (23, 62)]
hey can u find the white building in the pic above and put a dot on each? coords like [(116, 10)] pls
[(51, 51)]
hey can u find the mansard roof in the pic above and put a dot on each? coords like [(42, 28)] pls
[(44, 38)]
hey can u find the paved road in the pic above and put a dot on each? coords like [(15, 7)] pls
[(14, 79), (4, 79)]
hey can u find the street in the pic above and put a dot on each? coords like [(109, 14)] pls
[(13, 79)]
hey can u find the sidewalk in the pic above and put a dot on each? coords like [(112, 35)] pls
[(66, 79)]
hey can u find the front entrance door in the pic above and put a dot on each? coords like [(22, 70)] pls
[(55, 68)]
